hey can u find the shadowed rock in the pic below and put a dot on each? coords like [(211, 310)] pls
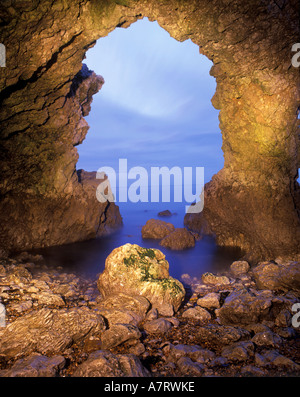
[(179, 239), (157, 229), (105, 364)]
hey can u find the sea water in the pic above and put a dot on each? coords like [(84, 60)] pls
[(88, 257)]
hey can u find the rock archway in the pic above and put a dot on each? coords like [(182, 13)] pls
[(253, 202)]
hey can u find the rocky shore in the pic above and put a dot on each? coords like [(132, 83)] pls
[(240, 323)]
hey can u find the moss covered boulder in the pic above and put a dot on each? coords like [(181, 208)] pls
[(135, 270)]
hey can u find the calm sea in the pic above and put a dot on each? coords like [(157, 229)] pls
[(88, 257)]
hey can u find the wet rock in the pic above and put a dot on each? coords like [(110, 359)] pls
[(152, 314), (20, 307), (49, 299), (179, 239), (267, 338), (221, 334), (283, 319), (239, 351), (122, 308), (244, 307), (36, 365), (274, 358), (158, 326), (68, 291), (19, 274), (209, 278), (194, 352), (118, 334), (135, 347), (251, 370), (165, 213), (197, 313), (105, 364), (209, 301), (2, 271), (134, 270), (49, 331), (239, 267), (157, 229), (189, 368), (28, 257), (284, 276)]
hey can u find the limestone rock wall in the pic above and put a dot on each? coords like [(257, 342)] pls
[(253, 202)]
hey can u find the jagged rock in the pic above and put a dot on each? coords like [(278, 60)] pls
[(49, 332), (239, 267), (35, 365), (194, 352), (158, 326), (122, 308), (68, 291), (274, 276), (20, 307), (157, 229), (239, 351), (179, 239), (197, 313), (189, 367), (105, 364), (209, 301), (152, 314), (251, 370), (46, 298), (165, 213), (274, 358), (134, 270), (63, 199), (209, 278), (283, 319), (245, 307), (222, 334), (118, 334), (19, 274), (266, 338), (2, 271)]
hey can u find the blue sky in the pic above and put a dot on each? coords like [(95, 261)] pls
[(155, 106)]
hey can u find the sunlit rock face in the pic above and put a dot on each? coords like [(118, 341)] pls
[(252, 203)]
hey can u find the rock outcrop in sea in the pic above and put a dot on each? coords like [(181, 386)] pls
[(169, 236)]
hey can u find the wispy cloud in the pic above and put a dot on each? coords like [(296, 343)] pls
[(154, 107)]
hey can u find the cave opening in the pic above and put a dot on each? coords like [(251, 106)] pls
[(252, 202), (154, 109)]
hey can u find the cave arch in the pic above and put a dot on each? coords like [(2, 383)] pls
[(253, 202)]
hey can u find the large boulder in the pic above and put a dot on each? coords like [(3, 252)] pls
[(245, 307), (278, 276), (157, 229), (49, 332), (133, 270), (179, 239)]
